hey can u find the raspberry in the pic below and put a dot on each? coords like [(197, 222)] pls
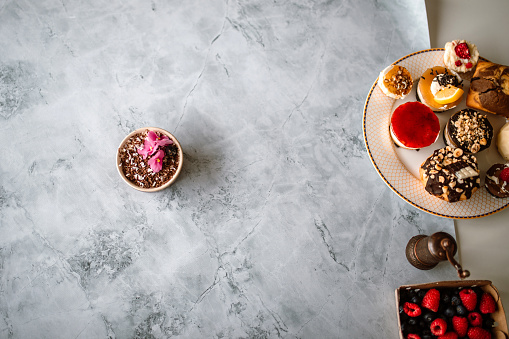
[(468, 298), (431, 300), (411, 309), (458, 63), (449, 335), (487, 304), (469, 65), (478, 333), (413, 336), (438, 327), (460, 325), (462, 51), (504, 175), (475, 319)]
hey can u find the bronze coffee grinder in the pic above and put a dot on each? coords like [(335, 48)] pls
[(425, 252)]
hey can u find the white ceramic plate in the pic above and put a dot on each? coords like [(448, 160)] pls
[(399, 167)]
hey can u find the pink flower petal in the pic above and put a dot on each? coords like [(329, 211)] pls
[(152, 137), (156, 162), (164, 141), (148, 149)]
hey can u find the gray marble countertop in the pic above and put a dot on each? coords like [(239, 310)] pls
[(278, 225)]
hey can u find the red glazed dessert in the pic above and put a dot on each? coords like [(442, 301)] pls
[(414, 126)]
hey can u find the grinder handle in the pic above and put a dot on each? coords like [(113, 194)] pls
[(449, 248)]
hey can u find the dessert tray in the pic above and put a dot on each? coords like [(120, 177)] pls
[(399, 167)]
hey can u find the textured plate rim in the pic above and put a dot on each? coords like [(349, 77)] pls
[(366, 142)]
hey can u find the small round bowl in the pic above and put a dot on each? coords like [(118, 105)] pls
[(168, 183)]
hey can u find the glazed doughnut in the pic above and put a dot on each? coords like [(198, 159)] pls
[(450, 174)]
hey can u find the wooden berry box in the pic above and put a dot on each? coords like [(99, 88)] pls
[(499, 331)]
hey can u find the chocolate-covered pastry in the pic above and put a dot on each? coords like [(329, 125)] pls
[(469, 130), (450, 174), (489, 88), (495, 183)]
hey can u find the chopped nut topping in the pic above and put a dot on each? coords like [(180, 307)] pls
[(470, 130), (453, 171)]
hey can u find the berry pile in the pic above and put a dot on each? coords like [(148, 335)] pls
[(446, 313)]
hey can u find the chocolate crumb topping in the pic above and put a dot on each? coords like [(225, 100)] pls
[(446, 80)]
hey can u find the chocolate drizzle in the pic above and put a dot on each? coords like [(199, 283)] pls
[(438, 173)]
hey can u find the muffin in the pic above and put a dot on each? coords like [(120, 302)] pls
[(414, 125), (461, 56), (489, 88), (395, 81), (469, 130), (497, 180), (436, 81), (503, 141), (450, 174)]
